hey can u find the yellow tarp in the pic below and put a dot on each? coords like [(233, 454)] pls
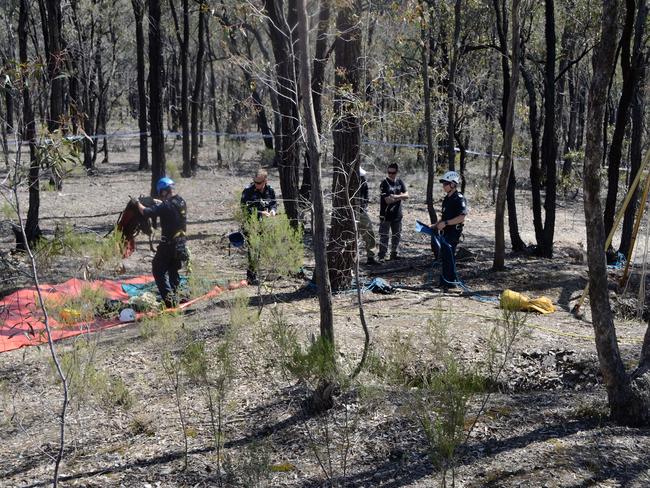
[(511, 300)]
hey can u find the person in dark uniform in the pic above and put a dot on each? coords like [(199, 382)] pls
[(171, 209), (392, 192), (258, 198), (364, 223), (450, 227)]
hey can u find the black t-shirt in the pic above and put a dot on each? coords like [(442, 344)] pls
[(172, 214), (454, 205), (259, 201), (391, 211)]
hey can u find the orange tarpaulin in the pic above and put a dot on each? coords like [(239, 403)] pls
[(21, 319)]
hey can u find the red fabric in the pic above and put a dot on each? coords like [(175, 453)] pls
[(22, 321)]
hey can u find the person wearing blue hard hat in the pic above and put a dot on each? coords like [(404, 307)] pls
[(172, 251), (450, 227)]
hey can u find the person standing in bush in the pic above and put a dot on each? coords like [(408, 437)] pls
[(450, 227), (392, 193), (364, 223), (258, 199), (171, 209)]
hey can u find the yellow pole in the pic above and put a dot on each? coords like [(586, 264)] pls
[(617, 220), (635, 231)]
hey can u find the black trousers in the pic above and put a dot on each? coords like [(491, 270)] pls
[(165, 269)]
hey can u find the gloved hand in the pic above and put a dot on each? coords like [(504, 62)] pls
[(147, 201)]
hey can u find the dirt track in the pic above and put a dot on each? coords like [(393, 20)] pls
[(546, 428)]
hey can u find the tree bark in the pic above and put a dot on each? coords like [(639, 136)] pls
[(138, 13), (627, 404), (346, 134), (499, 243), (158, 163)]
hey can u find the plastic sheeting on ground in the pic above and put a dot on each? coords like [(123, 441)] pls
[(21, 319), (511, 300)]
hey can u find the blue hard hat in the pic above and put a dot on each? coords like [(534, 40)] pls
[(164, 184)]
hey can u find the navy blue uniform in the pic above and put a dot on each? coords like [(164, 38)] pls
[(452, 206), (259, 201), (256, 201), (168, 261)]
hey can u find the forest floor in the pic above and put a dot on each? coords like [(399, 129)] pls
[(545, 423)]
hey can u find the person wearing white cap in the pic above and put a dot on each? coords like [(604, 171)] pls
[(364, 223), (450, 227)]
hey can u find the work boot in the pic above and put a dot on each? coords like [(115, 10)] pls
[(394, 256), (371, 260), (381, 260)]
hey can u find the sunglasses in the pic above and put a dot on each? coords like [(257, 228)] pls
[(392, 172), (259, 182)]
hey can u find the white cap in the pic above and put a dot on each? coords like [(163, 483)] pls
[(127, 315)]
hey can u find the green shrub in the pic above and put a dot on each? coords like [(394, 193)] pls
[(275, 247)]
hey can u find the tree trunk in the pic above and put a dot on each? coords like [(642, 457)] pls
[(517, 244), (54, 62), (318, 78), (313, 146), (549, 137), (183, 44), (196, 93), (502, 34), (627, 404), (428, 124), (535, 179), (287, 147), (28, 132), (630, 77), (138, 13), (451, 87), (499, 243), (636, 138), (158, 164), (346, 134)]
